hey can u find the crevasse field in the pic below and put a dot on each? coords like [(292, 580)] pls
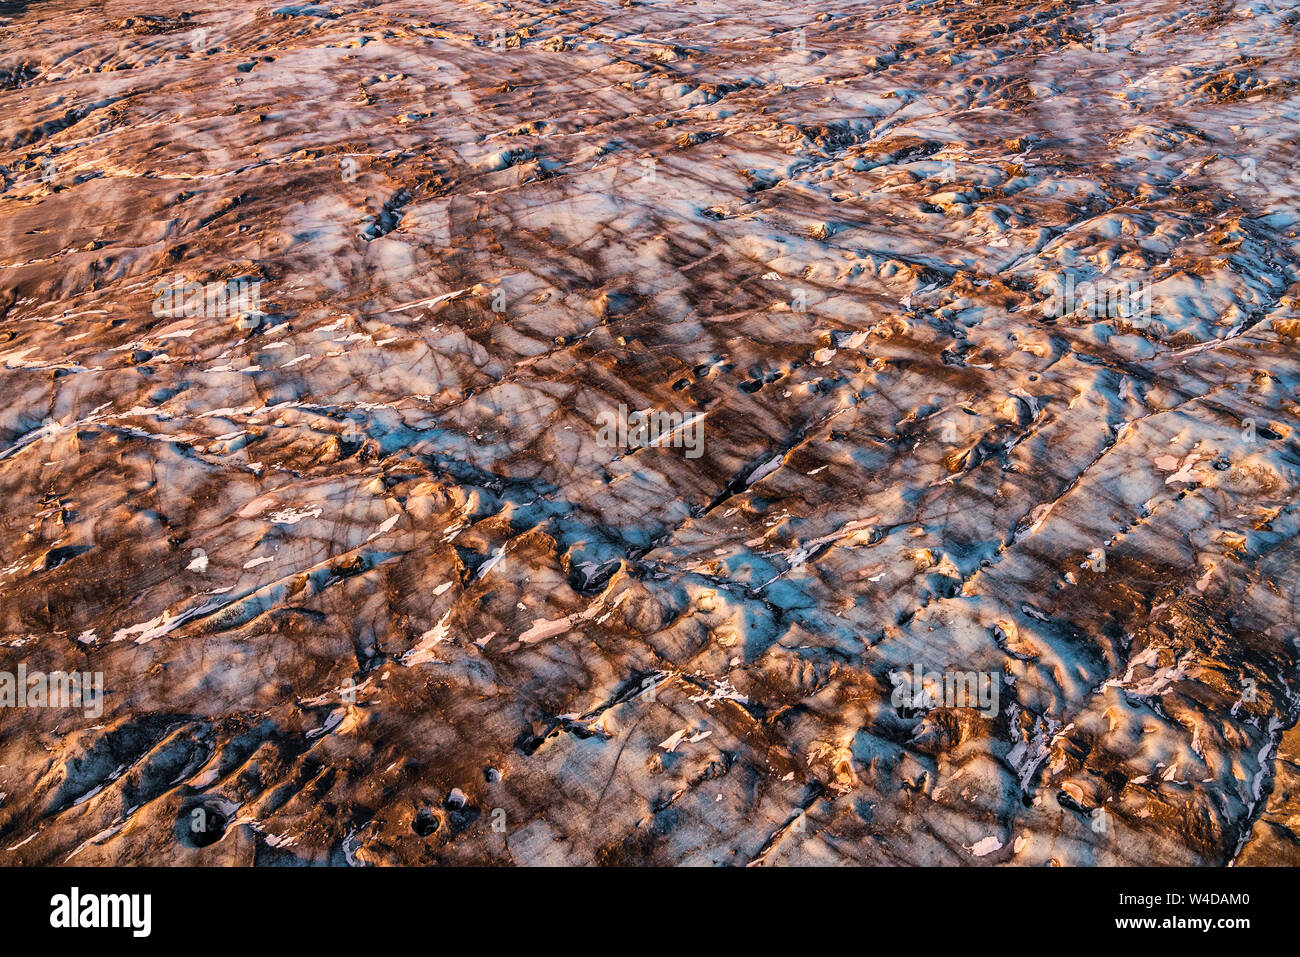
[(718, 432)]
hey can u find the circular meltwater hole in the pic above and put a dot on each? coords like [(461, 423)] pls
[(203, 823)]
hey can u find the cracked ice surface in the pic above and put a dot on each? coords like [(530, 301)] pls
[(365, 585)]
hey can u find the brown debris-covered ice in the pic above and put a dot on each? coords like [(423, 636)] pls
[(967, 333)]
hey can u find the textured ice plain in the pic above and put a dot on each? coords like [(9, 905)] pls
[(366, 589)]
